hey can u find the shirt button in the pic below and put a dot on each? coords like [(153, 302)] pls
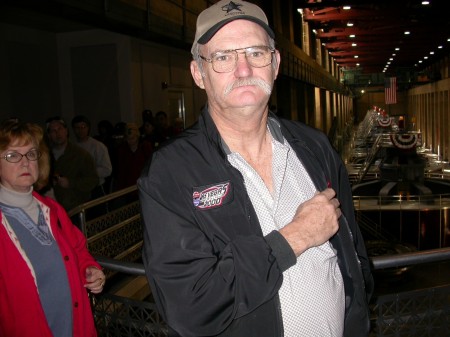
[(66, 258)]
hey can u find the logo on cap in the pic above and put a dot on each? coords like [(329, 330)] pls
[(231, 6)]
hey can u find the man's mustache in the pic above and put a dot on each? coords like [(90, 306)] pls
[(266, 87)]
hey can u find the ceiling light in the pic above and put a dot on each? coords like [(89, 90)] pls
[(356, 56), (425, 58), (352, 36), (440, 47), (354, 44), (425, 3), (349, 24), (431, 52), (397, 48), (346, 8), (407, 32)]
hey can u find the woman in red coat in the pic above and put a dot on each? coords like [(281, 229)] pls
[(46, 270)]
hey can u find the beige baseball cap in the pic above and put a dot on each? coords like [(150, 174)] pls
[(218, 15)]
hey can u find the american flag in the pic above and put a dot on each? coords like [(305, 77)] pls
[(390, 90)]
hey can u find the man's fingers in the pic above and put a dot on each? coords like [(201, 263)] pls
[(329, 193)]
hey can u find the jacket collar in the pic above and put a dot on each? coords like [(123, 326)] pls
[(213, 134), (280, 130)]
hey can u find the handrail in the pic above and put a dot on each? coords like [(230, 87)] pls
[(132, 268), (378, 262), (81, 208), (412, 258)]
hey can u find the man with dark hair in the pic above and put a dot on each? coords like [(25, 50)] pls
[(249, 226), (74, 174), (163, 131)]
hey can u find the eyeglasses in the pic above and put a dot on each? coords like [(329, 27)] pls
[(225, 61), (15, 157)]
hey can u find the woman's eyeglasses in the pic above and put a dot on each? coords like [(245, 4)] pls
[(15, 157)]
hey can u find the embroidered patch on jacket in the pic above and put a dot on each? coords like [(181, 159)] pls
[(211, 196)]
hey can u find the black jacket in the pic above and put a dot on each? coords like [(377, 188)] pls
[(211, 270)]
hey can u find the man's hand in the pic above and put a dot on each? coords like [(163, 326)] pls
[(314, 223)]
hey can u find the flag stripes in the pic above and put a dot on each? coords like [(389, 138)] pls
[(390, 90)]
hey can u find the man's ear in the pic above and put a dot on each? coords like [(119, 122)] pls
[(197, 74), (278, 58)]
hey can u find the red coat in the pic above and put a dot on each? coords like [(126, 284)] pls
[(21, 313)]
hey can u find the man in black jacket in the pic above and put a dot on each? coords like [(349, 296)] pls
[(249, 226)]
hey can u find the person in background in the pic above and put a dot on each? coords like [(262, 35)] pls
[(99, 152), (148, 128), (163, 131), (147, 131), (132, 156), (74, 173), (147, 119), (105, 131), (45, 267), (178, 126), (249, 226), (119, 134), (147, 115)]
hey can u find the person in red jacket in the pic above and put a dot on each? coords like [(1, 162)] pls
[(46, 270)]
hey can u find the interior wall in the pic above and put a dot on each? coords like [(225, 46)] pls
[(94, 68), (95, 84), (166, 82), (429, 108), (29, 86), (100, 74)]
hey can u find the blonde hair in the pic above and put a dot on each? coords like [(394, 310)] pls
[(14, 132)]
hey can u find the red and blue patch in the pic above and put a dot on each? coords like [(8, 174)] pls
[(211, 196)]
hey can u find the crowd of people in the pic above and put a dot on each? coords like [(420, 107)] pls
[(96, 164), (46, 269)]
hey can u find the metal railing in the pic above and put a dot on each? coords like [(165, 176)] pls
[(378, 263), (422, 310), (420, 220), (419, 312)]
